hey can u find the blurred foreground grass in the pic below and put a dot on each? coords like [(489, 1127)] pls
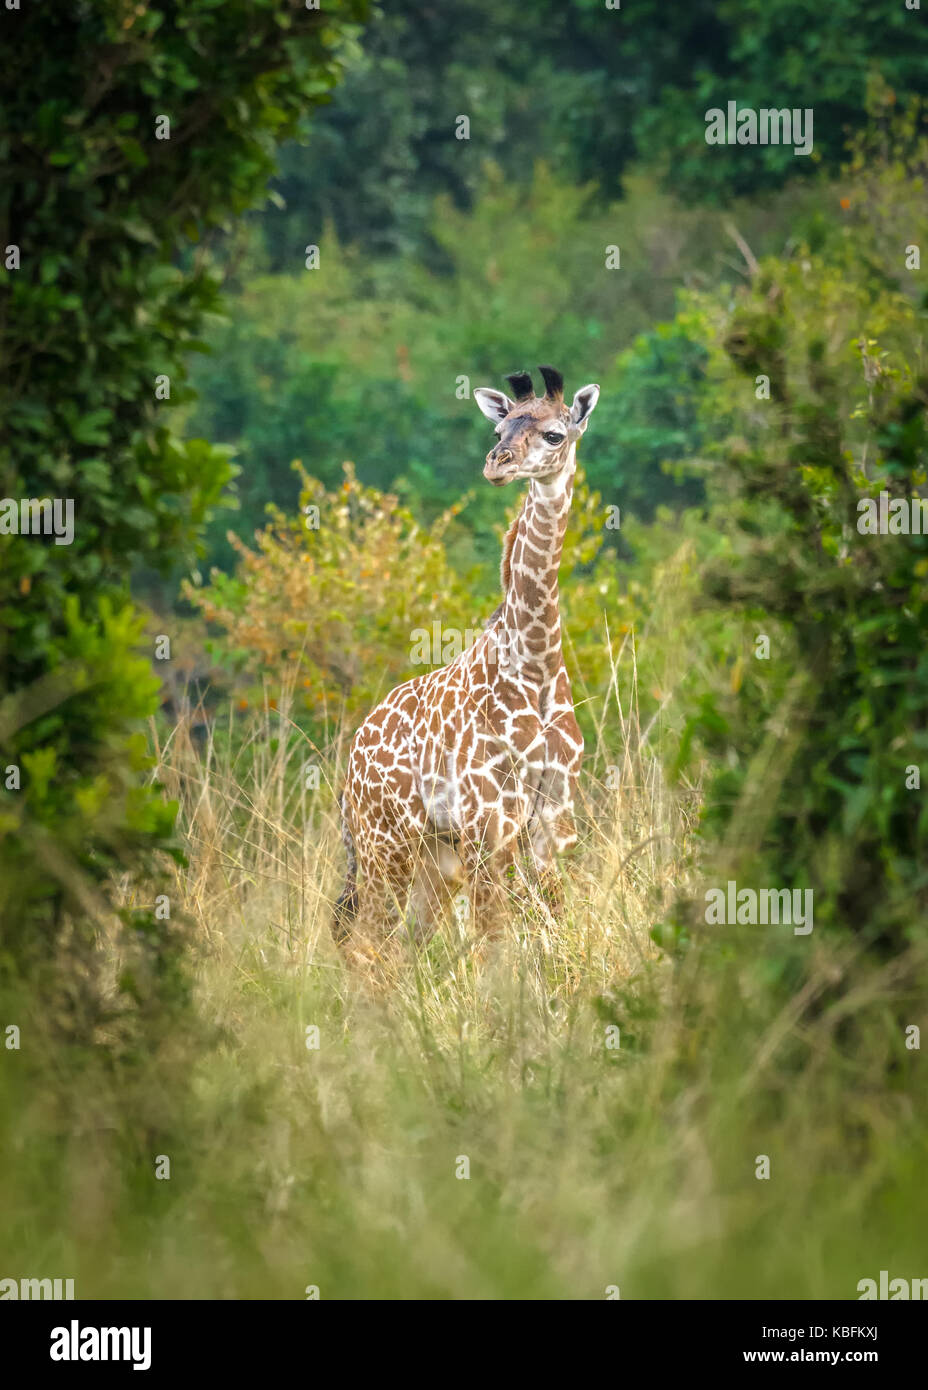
[(590, 1165)]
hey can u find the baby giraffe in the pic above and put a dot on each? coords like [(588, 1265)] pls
[(461, 769)]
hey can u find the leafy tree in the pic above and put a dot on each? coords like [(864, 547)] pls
[(129, 129), (818, 751), (651, 423), (591, 90)]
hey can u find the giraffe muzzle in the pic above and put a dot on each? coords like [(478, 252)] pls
[(500, 467)]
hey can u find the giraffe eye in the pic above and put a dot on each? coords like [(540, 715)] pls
[(553, 438)]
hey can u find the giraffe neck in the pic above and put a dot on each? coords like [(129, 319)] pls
[(531, 619)]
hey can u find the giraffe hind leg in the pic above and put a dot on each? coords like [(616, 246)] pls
[(373, 884), (383, 891), (348, 902)]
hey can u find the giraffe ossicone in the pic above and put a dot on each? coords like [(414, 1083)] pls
[(460, 770)]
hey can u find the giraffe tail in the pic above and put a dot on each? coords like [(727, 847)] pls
[(346, 908)]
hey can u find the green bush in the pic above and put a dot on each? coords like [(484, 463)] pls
[(817, 752), (97, 317)]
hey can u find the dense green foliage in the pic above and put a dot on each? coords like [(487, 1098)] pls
[(97, 318), (707, 758), (444, 257), (373, 359), (819, 749), (836, 324), (591, 89)]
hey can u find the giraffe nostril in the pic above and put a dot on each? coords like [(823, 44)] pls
[(504, 456)]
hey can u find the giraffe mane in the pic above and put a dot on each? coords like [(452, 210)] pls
[(505, 568)]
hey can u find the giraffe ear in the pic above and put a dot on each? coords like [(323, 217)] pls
[(582, 408), (494, 404)]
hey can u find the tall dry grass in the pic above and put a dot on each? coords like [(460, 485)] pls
[(553, 1114)]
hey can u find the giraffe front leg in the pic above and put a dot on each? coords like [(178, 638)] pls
[(546, 841), (493, 812), (552, 831), (487, 891), (438, 876)]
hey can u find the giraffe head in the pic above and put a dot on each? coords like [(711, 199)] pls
[(537, 434)]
